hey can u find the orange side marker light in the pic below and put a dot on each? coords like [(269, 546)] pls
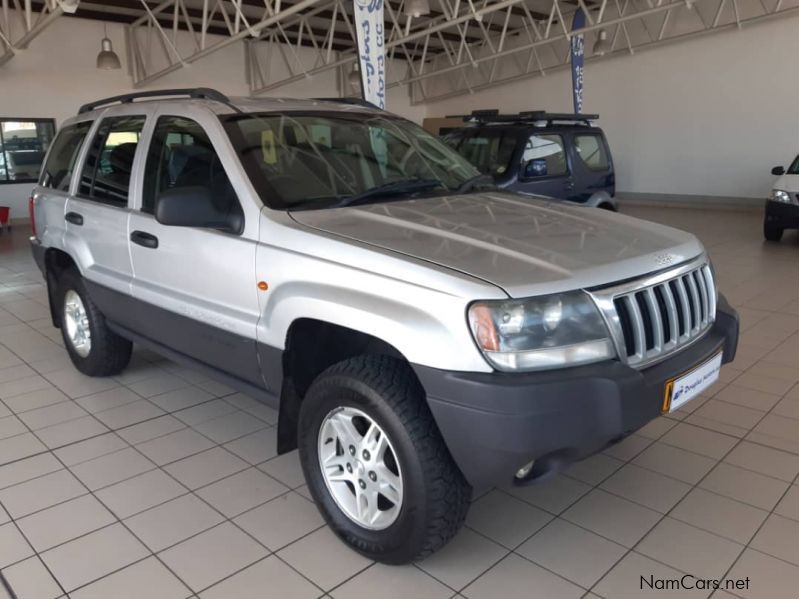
[(262, 285)]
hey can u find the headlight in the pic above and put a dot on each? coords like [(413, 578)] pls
[(778, 195), (565, 329)]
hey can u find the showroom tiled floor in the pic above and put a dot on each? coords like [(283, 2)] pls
[(163, 484)]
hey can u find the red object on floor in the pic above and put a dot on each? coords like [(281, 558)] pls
[(4, 214)]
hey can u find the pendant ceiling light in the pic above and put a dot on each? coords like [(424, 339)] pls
[(417, 8), (107, 59), (601, 46)]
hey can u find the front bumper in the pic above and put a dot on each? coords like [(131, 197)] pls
[(782, 215), (495, 423)]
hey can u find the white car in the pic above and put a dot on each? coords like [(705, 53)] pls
[(782, 207)]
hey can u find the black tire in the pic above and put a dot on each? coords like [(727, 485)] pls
[(109, 353), (772, 232), (436, 495)]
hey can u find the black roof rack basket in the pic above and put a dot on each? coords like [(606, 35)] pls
[(528, 116), (204, 93), (349, 100)]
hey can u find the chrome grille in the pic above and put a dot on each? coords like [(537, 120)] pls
[(652, 317)]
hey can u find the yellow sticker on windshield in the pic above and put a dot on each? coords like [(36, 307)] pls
[(268, 147)]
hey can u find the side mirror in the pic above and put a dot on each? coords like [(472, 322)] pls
[(537, 167), (778, 170), (195, 207)]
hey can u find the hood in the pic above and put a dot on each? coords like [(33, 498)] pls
[(526, 246), (787, 183)]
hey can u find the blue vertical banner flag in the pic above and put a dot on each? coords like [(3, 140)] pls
[(577, 55), (369, 26)]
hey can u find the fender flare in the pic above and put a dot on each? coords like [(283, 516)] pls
[(600, 198)]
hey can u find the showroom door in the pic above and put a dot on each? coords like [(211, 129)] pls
[(195, 287)]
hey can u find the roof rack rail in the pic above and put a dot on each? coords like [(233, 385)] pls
[(528, 116), (543, 115), (353, 101), (487, 113), (204, 93)]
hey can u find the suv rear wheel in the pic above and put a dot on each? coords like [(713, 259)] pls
[(375, 462), (94, 349), (772, 232)]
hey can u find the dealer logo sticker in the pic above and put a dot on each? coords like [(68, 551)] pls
[(681, 390)]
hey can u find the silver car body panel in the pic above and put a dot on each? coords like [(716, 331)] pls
[(404, 272), (416, 306), (203, 274), (96, 246)]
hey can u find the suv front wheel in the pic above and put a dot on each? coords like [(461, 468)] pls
[(375, 462), (94, 349)]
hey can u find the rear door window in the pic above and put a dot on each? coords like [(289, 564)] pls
[(108, 167), (591, 151), (57, 171)]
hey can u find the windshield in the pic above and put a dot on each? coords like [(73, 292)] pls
[(302, 161), (490, 150), (794, 168)]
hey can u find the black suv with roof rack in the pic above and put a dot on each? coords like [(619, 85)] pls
[(540, 153)]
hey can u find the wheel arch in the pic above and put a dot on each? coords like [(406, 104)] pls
[(602, 199), (311, 347), (56, 261)]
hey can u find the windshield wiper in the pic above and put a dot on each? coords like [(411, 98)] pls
[(394, 188), (470, 184)]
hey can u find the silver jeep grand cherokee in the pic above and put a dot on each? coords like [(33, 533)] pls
[(421, 333)]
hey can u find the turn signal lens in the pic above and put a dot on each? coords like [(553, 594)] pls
[(483, 327), (262, 285)]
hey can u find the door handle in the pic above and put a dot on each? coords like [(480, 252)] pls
[(144, 239), (74, 218)]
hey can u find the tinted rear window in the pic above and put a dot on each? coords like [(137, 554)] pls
[(109, 163), (57, 171), (591, 150)]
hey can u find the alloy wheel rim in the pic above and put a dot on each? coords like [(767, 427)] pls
[(76, 322), (360, 468)]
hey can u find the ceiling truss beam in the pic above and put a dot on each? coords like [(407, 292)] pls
[(22, 20), (156, 50), (468, 46), (632, 25)]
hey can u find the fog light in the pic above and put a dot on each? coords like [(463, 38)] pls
[(522, 472)]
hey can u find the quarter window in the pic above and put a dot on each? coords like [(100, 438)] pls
[(544, 156), (109, 162), (592, 152), (181, 155), (57, 171), (23, 143)]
